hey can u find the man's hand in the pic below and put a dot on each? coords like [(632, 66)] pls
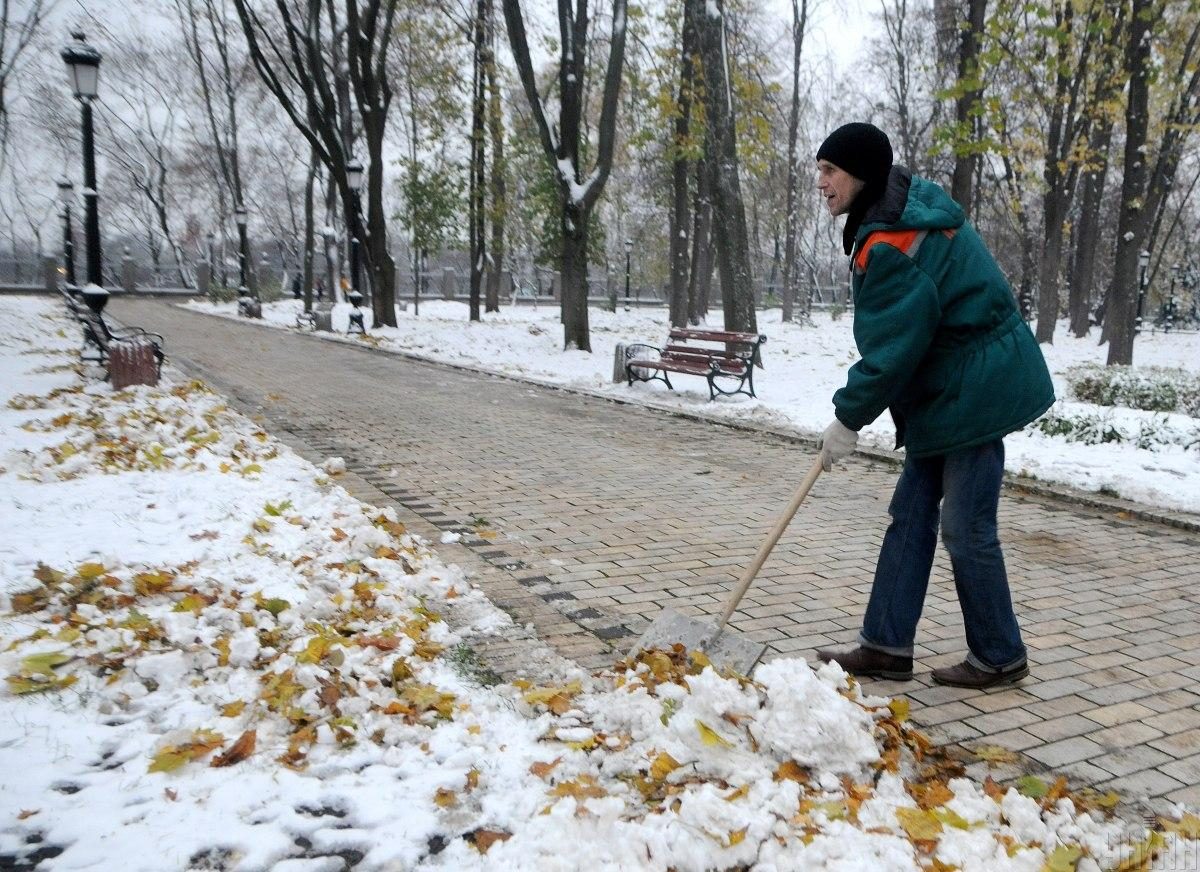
[(837, 442)]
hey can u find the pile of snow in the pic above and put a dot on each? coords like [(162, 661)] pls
[(803, 368), (215, 658)]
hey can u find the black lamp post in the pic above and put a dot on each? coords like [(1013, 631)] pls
[(1170, 315), (354, 179), (83, 62), (66, 193), (240, 215), (628, 254), (1143, 279), (331, 261)]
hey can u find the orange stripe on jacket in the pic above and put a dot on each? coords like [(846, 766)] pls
[(901, 239)]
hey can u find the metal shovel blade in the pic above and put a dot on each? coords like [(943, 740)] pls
[(730, 650)]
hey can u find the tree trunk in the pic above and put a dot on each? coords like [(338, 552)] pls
[(1053, 210), (729, 212), (499, 194), (965, 106), (791, 275), (1087, 236), (478, 169), (680, 223), (700, 281), (1131, 225), (574, 276)]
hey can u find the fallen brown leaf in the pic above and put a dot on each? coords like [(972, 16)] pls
[(238, 751), (541, 770), (484, 839)]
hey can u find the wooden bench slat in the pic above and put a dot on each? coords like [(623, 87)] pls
[(696, 351), (715, 335), (671, 366)]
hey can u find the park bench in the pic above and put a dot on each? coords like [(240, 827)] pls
[(712, 354), (125, 354)]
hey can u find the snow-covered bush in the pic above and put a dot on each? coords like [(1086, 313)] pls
[(1097, 429), (1150, 388)]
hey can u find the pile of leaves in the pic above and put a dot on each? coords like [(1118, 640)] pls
[(186, 427)]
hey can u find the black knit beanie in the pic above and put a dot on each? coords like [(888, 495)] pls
[(865, 152)]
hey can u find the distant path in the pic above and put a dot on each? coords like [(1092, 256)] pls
[(613, 511)]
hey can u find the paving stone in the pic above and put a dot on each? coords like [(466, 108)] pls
[(1065, 751), (1149, 782), (1179, 744), (587, 494), (1121, 713), (1061, 728)]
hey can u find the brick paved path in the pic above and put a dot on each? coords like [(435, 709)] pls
[(607, 512)]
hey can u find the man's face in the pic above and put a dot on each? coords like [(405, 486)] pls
[(837, 186)]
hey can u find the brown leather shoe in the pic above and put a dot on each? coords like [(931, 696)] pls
[(869, 663), (965, 675)]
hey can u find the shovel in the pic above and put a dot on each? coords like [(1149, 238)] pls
[(730, 650)]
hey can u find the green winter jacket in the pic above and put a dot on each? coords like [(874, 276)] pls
[(942, 343)]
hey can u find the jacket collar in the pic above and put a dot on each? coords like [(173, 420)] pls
[(888, 208)]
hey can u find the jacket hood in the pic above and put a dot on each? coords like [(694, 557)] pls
[(911, 203)]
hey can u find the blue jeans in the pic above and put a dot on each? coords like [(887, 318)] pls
[(967, 486)]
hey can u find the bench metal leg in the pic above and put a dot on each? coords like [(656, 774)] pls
[(659, 375)]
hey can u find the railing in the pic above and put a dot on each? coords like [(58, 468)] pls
[(21, 271)]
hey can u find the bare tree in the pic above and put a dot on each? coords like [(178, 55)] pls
[(729, 212), (1132, 224), (563, 144), (679, 225), (791, 274), (497, 184), (15, 36), (966, 103), (290, 54)]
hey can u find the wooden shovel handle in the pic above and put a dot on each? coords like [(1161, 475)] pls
[(769, 543)]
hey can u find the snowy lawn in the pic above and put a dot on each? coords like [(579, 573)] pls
[(215, 658), (803, 366)]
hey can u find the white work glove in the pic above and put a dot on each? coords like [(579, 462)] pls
[(837, 442)]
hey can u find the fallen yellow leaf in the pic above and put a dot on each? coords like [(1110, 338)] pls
[(710, 737), (664, 764)]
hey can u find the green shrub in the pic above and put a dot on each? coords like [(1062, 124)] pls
[(1150, 388), (1099, 429)]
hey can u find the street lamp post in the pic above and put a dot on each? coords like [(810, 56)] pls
[(354, 179), (1143, 278), (1170, 319), (66, 193), (331, 261), (83, 62), (248, 303), (239, 214), (628, 254)]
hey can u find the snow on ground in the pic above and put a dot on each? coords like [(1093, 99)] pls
[(215, 658), (803, 366)]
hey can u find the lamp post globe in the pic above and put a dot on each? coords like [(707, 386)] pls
[(66, 194), (83, 65)]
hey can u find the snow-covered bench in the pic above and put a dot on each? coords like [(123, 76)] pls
[(712, 354)]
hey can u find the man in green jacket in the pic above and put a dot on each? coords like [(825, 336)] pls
[(944, 348)]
